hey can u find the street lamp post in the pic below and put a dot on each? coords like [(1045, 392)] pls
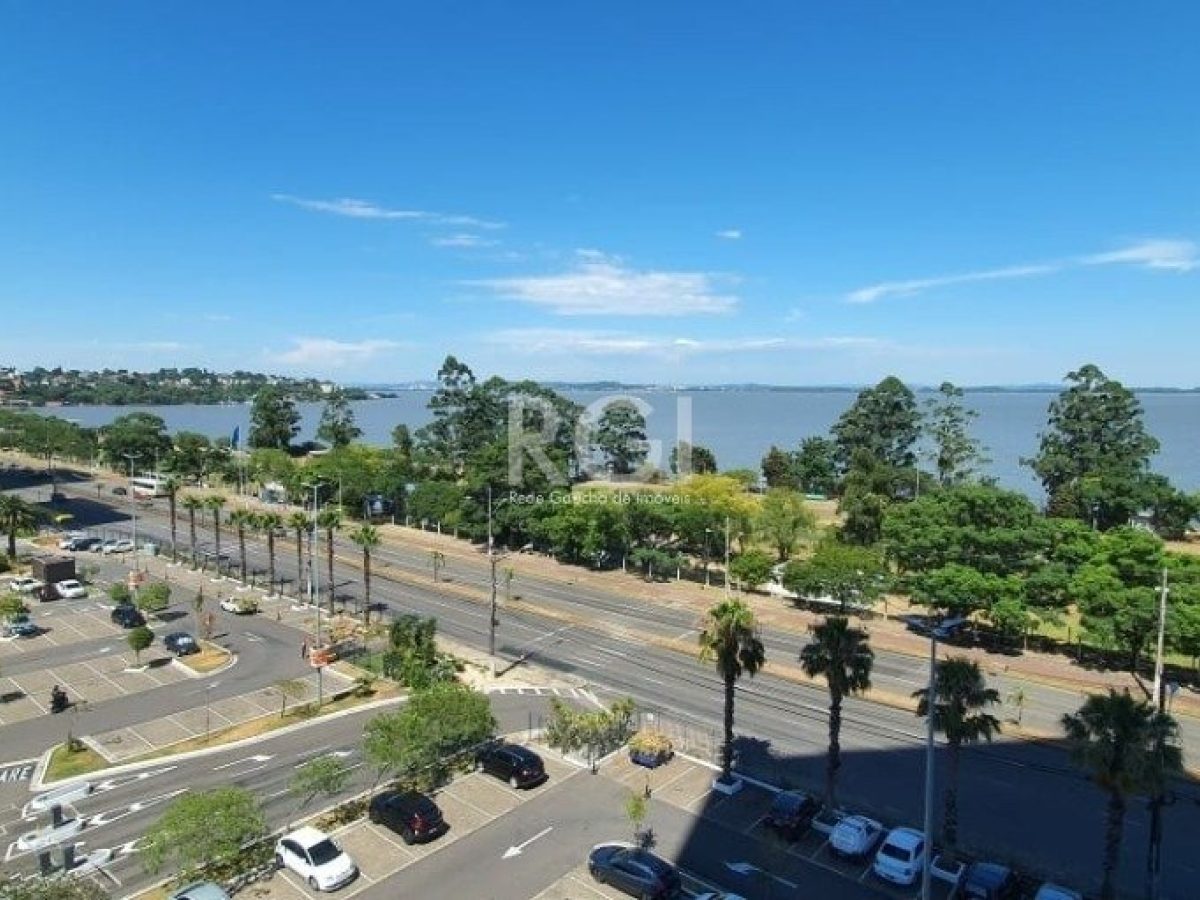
[(312, 588), (931, 699), (727, 557), (707, 579), (133, 507), (493, 558)]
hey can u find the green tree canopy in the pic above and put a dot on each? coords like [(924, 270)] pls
[(884, 421), (783, 520), (620, 434), (751, 568), (140, 434), (202, 826), (274, 419), (337, 426), (853, 576), (956, 455), (814, 466)]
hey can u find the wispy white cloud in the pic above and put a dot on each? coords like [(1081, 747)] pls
[(330, 353), (730, 234), (1152, 253), (601, 285), (462, 239), (352, 208), (571, 342)]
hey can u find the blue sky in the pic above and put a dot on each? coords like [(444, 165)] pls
[(690, 192)]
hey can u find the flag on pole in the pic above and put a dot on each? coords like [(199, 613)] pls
[(237, 435)]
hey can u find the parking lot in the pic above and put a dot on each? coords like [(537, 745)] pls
[(468, 803), (61, 623)]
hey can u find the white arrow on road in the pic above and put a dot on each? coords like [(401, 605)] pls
[(745, 868), (122, 780), (518, 849), (258, 758), (107, 818)]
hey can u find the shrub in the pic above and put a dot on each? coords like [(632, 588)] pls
[(119, 593), (651, 742)]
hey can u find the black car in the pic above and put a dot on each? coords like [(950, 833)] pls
[(84, 543), (990, 881), (119, 491), (517, 765), (180, 643), (411, 815), (127, 616), (791, 813), (634, 871)]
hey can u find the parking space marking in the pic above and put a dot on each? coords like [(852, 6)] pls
[(749, 828)]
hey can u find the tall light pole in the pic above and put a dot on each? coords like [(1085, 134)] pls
[(1159, 800), (931, 700), (312, 587), (1163, 590), (133, 507), (727, 557)]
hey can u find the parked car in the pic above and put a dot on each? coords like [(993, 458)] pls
[(100, 546), (119, 491), (121, 546), (519, 766), (901, 856), (957, 628), (791, 813), (410, 814), (71, 589), (67, 541), (855, 836), (24, 584), (240, 606), (84, 543), (180, 643), (314, 856), (127, 616), (634, 871), (1051, 891), (19, 625), (201, 890), (48, 592), (990, 881)]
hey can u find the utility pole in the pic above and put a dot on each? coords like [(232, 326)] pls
[(313, 574), (1159, 800), (491, 550), (727, 557), (133, 508), (931, 700)]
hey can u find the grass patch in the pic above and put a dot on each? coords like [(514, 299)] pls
[(210, 657), (66, 764)]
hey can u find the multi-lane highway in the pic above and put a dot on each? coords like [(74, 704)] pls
[(1018, 801)]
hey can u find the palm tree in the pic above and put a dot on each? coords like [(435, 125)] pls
[(1127, 748), (843, 656), (192, 503), (300, 523), (15, 515), (960, 695), (367, 537), (241, 519), (730, 639), (269, 523), (214, 502), (330, 519), (171, 486)]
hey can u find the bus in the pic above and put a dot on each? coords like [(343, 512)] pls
[(146, 486)]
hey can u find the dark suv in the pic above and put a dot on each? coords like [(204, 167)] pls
[(791, 813), (517, 765), (127, 616), (411, 815)]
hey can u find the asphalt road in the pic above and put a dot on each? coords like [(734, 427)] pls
[(1018, 801)]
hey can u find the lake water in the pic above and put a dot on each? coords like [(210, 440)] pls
[(739, 426)]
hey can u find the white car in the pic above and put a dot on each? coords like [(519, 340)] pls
[(24, 584), (124, 546), (314, 856), (901, 857), (240, 606), (855, 836), (67, 541), (70, 589)]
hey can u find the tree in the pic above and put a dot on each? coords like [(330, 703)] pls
[(301, 524), (959, 700), (621, 436), (417, 742), (16, 517), (52, 889), (597, 731), (202, 827), (853, 576), (12, 605), (730, 639), (192, 503), (843, 657), (1127, 748), (214, 503), (241, 519), (688, 459), (777, 468), (171, 485), (139, 639), (337, 425), (1095, 443), (956, 455), (324, 775), (154, 597), (367, 537), (270, 524), (198, 607), (274, 419), (142, 435), (884, 421), (814, 466), (330, 519), (783, 520), (751, 568)]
